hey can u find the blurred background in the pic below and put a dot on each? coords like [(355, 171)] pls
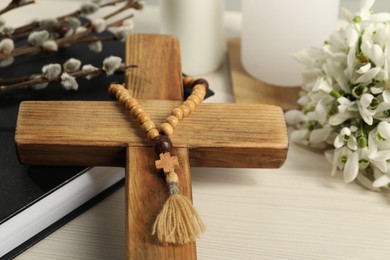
[(235, 5)]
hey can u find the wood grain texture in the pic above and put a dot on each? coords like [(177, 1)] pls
[(147, 192), (97, 133), (158, 75), (103, 133), (248, 90)]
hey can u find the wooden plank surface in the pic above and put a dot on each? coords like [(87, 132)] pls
[(96, 133), (158, 75), (248, 90), (146, 192)]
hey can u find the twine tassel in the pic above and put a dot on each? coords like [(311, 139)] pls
[(178, 222)]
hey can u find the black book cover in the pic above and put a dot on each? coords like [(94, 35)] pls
[(20, 185)]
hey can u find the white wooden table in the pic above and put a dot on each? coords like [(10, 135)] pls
[(296, 212)]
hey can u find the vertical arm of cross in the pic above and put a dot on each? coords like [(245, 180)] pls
[(158, 77)]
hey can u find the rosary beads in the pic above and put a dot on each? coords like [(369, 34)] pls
[(178, 222)]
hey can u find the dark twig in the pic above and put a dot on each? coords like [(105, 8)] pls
[(41, 80), (15, 4)]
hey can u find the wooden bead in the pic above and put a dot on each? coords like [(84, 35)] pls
[(148, 125), (188, 81), (121, 92), (172, 120), (152, 134), (177, 112), (136, 110), (162, 144), (201, 82), (195, 99), (200, 93), (166, 128), (200, 87), (114, 88), (190, 104), (185, 109), (130, 103), (143, 117), (123, 98), (171, 177)]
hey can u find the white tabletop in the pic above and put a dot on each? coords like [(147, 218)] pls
[(296, 212)]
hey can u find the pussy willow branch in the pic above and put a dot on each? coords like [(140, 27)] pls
[(25, 30), (62, 42), (120, 22), (76, 74), (93, 39), (67, 41), (130, 4), (15, 4), (78, 12), (5, 81)]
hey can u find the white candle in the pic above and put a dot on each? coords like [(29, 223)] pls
[(199, 26), (274, 29)]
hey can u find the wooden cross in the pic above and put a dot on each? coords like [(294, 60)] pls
[(104, 134)]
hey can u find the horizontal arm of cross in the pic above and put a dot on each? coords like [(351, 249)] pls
[(97, 133)]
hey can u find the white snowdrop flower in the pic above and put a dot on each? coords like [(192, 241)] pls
[(50, 46), (382, 181), (352, 36), (366, 182), (363, 69), (351, 168), (40, 85), (69, 82), (368, 76), (89, 8), (111, 64), (7, 46), (346, 138), (48, 23), (364, 108), (95, 46), (6, 62), (38, 38), (319, 136), (386, 96), (300, 136), (376, 90), (99, 25), (72, 65), (295, 117), (90, 68), (384, 129), (51, 71), (345, 97), (308, 56), (376, 55), (322, 84), (346, 109)]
